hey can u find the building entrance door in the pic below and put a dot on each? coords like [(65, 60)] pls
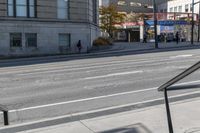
[(134, 36)]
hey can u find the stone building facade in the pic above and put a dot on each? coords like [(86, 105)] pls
[(31, 27)]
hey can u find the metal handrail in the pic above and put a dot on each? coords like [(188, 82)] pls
[(182, 75), (174, 80), (5, 114)]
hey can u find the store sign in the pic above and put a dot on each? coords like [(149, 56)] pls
[(166, 29), (167, 22)]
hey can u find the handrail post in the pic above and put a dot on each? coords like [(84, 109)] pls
[(168, 112), (5, 115)]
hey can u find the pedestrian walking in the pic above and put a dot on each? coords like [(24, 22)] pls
[(79, 46), (177, 37), (145, 38)]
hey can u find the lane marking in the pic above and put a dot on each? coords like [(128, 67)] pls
[(136, 103), (99, 97), (181, 56), (113, 74), (27, 71), (74, 68)]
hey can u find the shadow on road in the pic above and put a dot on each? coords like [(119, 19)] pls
[(183, 87), (136, 128), (22, 61)]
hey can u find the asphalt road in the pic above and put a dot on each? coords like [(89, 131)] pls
[(67, 86)]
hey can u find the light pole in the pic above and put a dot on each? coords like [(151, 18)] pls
[(155, 23), (192, 30), (199, 24)]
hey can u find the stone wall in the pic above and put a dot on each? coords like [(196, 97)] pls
[(47, 26), (47, 37), (79, 10)]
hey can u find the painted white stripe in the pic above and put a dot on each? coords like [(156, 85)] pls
[(105, 96), (114, 74), (86, 99), (105, 109), (181, 56), (136, 103), (41, 69)]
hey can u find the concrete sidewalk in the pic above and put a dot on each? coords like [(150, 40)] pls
[(185, 115), (118, 46)]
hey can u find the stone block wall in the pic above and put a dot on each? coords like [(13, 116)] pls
[(80, 26)]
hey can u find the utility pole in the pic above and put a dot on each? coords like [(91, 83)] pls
[(192, 30), (199, 24), (155, 23)]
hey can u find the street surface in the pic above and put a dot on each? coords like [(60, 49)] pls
[(67, 86)]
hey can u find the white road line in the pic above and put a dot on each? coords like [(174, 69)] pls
[(56, 68), (181, 56), (132, 104), (113, 74), (100, 97)]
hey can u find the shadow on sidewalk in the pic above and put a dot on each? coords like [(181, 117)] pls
[(136, 128)]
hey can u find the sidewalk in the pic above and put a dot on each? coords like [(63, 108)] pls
[(118, 47), (185, 117), (135, 46)]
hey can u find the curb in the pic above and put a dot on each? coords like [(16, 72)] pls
[(96, 53), (93, 114)]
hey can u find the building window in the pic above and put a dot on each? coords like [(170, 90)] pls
[(145, 5), (191, 7), (31, 39), (136, 4), (64, 40), (121, 3), (15, 40), (180, 9), (171, 9), (175, 9), (62, 9), (10, 8), (22, 8), (94, 11), (32, 8), (187, 8)]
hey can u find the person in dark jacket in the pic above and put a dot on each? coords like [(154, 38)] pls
[(177, 37), (145, 38), (79, 46)]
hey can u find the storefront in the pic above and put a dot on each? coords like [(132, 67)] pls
[(167, 29), (128, 32)]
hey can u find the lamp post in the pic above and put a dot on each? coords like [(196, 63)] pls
[(199, 24), (192, 30), (155, 23)]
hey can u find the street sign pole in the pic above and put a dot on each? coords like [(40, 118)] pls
[(199, 24), (155, 23), (192, 30)]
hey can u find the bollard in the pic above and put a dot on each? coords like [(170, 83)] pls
[(5, 115)]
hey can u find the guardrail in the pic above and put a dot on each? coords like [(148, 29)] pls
[(174, 80), (5, 114)]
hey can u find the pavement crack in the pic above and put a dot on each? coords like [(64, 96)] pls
[(86, 126)]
